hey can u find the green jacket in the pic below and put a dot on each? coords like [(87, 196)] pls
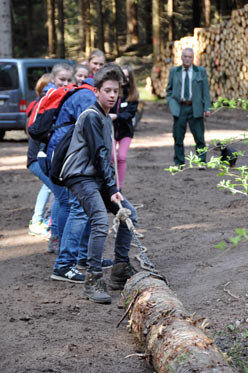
[(200, 91)]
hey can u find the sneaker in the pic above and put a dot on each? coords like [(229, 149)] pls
[(53, 245), (68, 273), (45, 225), (106, 263), (38, 229), (121, 272), (95, 288)]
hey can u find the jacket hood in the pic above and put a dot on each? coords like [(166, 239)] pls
[(89, 81), (49, 86)]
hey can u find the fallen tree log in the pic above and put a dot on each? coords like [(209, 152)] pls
[(171, 338)]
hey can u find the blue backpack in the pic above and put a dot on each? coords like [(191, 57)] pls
[(59, 155)]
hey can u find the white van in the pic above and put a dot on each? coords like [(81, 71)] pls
[(17, 81)]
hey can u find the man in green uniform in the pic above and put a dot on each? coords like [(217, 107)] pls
[(187, 94)]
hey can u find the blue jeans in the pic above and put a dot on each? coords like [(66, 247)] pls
[(40, 205), (62, 207), (74, 243), (95, 201), (37, 171)]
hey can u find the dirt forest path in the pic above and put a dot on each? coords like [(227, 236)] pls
[(46, 326)]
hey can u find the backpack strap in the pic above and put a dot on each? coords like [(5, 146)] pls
[(87, 86), (49, 92), (92, 110), (73, 90), (69, 94), (62, 125), (71, 123)]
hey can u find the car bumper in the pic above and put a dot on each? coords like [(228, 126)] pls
[(13, 121)]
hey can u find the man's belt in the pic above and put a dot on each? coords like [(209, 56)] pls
[(186, 103)]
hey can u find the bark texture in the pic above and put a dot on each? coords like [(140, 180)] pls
[(132, 22), (5, 30), (172, 341), (51, 28), (61, 29)]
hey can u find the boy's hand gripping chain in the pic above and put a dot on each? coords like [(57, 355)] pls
[(123, 215)]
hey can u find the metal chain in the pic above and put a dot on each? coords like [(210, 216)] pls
[(145, 262)]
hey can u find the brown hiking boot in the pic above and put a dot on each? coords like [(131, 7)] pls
[(121, 272), (95, 288)]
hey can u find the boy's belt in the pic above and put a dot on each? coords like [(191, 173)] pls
[(186, 102)]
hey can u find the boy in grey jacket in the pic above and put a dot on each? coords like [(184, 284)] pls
[(88, 173)]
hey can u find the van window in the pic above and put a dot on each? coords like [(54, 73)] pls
[(34, 73), (8, 76)]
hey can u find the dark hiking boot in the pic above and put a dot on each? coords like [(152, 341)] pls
[(95, 288), (121, 272), (53, 245)]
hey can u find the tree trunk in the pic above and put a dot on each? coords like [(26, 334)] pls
[(92, 26), (148, 21), (29, 27), (108, 32), (115, 12), (87, 27), (171, 21), (172, 341), (81, 24), (5, 30), (207, 12), (156, 30), (51, 28), (196, 13), (132, 24), (84, 18), (60, 31), (100, 26)]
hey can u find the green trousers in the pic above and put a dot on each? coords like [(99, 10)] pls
[(196, 126)]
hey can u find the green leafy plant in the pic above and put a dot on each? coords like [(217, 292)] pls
[(236, 178), (233, 342), (241, 235), (232, 104)]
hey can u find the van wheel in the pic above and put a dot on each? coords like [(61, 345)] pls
[(2, 133)]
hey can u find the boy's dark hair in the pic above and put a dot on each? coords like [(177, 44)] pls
[(110, 71)]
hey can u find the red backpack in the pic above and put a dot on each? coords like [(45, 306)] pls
[(41, 123)]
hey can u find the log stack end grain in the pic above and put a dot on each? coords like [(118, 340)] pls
[(172, 341), (222, 49)]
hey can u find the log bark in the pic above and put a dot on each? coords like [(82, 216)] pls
[(172, 341)]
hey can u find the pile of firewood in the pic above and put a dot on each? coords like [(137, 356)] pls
[(222, 49)]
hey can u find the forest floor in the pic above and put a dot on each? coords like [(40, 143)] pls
[(46, 326)]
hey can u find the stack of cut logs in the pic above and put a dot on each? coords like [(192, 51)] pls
[(222, 49)]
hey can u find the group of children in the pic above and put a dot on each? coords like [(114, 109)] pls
[(79, 219)]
